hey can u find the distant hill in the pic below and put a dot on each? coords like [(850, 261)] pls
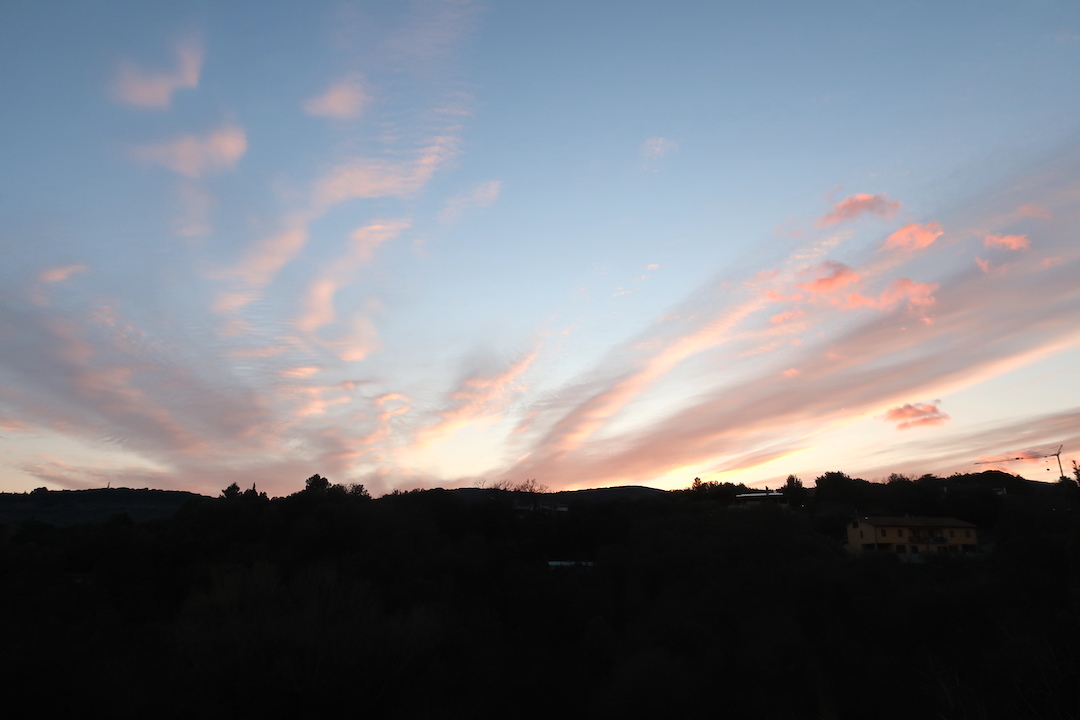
[(611, 494), (592, 495), (70, 507)]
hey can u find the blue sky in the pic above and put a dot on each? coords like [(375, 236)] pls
[(442, 243)]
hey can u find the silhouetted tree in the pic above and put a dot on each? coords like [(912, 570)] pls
[(253, 495), (316, 485), (794, 492), (530, 486), (358, 490), (232, 492), (838, 487)]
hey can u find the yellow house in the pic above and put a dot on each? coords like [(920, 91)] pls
[(911, 535)]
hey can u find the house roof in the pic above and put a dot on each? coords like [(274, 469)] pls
[(916, 522)]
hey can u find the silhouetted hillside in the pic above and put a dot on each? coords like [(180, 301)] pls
[(69, 507)]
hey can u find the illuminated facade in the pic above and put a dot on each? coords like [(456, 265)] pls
[(911, 535)]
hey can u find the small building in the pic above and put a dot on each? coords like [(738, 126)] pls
[(769, 497), (911, 535)]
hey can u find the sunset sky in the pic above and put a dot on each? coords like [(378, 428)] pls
[(436, 243)]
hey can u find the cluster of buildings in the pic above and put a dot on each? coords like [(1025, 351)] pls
[(911, 535)]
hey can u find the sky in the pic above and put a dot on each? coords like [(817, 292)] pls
[(446, 243)]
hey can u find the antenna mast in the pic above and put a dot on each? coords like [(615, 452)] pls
[(1030, 456)]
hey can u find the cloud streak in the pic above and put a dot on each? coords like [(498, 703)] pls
[(912, 415), (913, 237), (193, 156), (369, 178), (346, 99), (855, 206), (1007, 242)]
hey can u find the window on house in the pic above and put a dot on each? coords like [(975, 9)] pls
[(900, 532), (952, 533), (884, 532), (967, 533), (860, 534), (855, 524)]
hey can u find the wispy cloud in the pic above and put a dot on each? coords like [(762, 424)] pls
[(1031, 210), (52, 276), (483, 195), (902, 291), (1007, 242), (831, 276), (266, 257), (854, 206), (846, 366), (60, 273), (658, 147), (369, 178), (154, 89), (319, 303), (346, 99), (913, 237), (479, 395), (193, 156)]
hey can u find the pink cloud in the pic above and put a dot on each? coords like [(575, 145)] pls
[(477, 396), (299, 373), (60, 273), (1033, 211), (786, 317), (917, 296), (854, 206), (344, 100), (319, 305), (1021, 455), (836, 276), (359, 339), (263, 262), (915, 414), (913, 237), (154, 90), (1007, 242), (366, 240), (193, 156), (364, 178), (857, 300), (591, 412), (13, 425), (52, 276)]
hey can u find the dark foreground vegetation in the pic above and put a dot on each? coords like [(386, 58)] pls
[(442, 604)]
